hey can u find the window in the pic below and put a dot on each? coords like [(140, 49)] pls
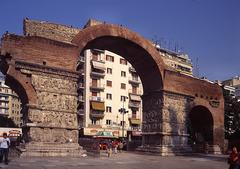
[(94, 82), (134, 90), (94, 93), (134, 114), (123, 61), (123, 86), (109, 109), (109, 83), (123, 74), (109, 96), (135, 77), (109, 58), (94, 121), (123, 98), (109, 71), (95, 57), (108, 122), (122, 123)]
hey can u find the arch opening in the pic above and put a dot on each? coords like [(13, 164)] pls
[(201, 125), (139, 58)]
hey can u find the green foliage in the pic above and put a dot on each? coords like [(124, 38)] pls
[(232, 116), (6, 122)]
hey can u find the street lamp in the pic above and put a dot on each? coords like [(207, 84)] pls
[(123, 111)]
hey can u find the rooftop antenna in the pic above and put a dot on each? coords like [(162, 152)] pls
[(197, 72)]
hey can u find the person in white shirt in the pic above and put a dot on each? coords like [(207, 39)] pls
[(4, 146)]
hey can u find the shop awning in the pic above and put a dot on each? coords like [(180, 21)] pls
[(135, 97), (98, 65), (135, 121), (98, 106)]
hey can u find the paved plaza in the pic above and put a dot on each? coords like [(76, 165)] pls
[(121, 161)]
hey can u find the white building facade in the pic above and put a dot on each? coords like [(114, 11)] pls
[(108, 84)]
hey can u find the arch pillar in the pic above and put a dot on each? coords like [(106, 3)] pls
[(49, 94), (164, 123)]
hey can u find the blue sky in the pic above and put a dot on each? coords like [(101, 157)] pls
[(205, 29)]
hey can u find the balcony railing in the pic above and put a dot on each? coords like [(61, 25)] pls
[(134, 129), (81, 59), (96, 98), (97, 64), (98, 60), (133, 105), (97, 114), (80, 112), (97, 86), (131, 69), (81, 98), (135, 92), (97, 73), (80, 85), (4, 113), (4, 106), (134, 80), (4, 100)]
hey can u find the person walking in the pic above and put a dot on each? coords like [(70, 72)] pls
[(4, 146), (109, 148), (120, 146), (233, 159)]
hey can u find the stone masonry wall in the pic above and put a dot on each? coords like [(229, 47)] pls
[(174, 119), (53, 119), (48, 30)]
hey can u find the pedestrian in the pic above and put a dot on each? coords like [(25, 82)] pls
[(120, 146), (115, 146), (109, 148), (233, 159), (4, 146)]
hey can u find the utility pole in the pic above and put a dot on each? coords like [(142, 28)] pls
[(123, 111)]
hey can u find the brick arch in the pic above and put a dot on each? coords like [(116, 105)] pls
[(133, 47), (21, 85)]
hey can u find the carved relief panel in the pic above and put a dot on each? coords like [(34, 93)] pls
[(152, 112)]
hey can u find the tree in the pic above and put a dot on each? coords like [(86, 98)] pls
[(6, 122), (232, 116)]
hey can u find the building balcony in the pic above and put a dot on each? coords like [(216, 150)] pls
[(134, 105), (4, 107), (134, 80), (99, 65), (94, 126), (96, 98), (4, 100), (99, 74), (80, 85), (80, 98), (98, 86), (4, 113), (81, 59), (135, 92), (131, 69), (97, 114), (138, 128), (135, 121), (80, 112), (80, 63)]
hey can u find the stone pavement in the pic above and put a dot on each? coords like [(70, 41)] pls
[(121, 160)]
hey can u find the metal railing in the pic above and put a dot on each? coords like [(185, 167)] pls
[(96, 98)]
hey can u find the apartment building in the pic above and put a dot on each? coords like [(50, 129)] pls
[(233, 86), (109, 83), (10, 105), (178, 61)]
